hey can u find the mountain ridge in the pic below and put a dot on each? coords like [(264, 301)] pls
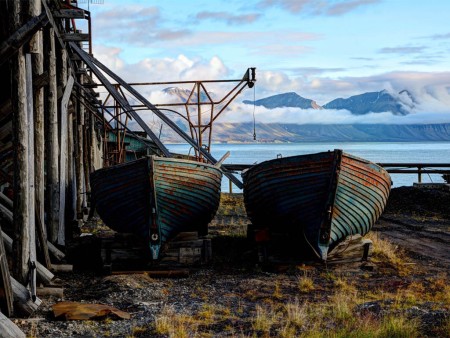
[(290, 100), (290, 132), (375, 102)]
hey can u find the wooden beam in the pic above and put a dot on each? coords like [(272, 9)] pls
[(21, 214), (75, 37), (6, 213), (8, 329), (62, 267), (50, 291), (40, 81), (13, 44), (24, 305), (31, 177), (43, 274), (94, 63), (5, 109), (6, 294), (63, 159), (119, 98), (69, 14), (6, 210), (58, 254), (52, 139), (182, 273), (6, 201), (79, 159)]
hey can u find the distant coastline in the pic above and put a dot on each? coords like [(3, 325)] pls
[(242, 133)]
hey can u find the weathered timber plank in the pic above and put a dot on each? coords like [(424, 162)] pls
[(13, 44), (6, 294), (40, 81), (58, 254), (6, 201), (21, 214), (182, 273), (352, 249), (24, 305), (52, 142), (69, 14), (31, 175), (43, 274), (8, 329), (62, 267), (75, 37), (50, 291), (63, 159)]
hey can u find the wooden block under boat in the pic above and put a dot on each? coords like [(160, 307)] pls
[(353, 249)]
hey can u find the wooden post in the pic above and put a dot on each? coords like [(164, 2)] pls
[(36, 47), (20, 136), (31, 210), (61, 67), (52, 139), (80, 158), (71, 175), (63, 162)]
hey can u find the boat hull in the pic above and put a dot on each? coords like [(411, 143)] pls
[(319, 199), (156, 198)]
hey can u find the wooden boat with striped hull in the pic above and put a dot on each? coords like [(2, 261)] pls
[(320, 199), (156, 197)]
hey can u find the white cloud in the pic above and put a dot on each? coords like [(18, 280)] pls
[(244, 113), (430, 90)]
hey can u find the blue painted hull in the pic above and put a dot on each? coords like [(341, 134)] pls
[(318, 198), (156, 198)]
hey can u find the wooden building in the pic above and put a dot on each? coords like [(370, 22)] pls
[(49, 141)]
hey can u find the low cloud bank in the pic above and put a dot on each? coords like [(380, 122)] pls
[(430, 91)]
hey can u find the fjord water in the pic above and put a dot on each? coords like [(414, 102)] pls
[(392, 152)]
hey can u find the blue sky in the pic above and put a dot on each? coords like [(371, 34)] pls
[(320, 49)]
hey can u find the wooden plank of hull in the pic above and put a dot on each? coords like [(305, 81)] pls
[(363, 190), (286, 194), (292, 194), (122, 194), (187, 196)]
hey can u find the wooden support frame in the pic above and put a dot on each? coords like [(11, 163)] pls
[(93, 63), (12, 45), (6, 301)]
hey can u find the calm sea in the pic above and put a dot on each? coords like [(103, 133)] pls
[(397, 152)]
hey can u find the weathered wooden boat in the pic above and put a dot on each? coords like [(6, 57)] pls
[(320, 199), (156, 197)]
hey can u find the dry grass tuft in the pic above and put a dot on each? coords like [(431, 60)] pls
[(264, 319), (397, 326), (296, 314), (386, 252), (174, 325), (305, 284), (344, 286), (277, 293)]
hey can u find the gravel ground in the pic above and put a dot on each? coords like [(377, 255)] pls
[(224, 298)]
